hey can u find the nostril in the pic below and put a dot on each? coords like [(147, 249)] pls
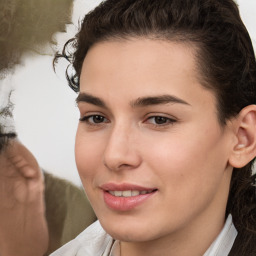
[(117, 167)]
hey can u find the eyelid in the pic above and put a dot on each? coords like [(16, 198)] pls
[(87, 108), (85, 112)]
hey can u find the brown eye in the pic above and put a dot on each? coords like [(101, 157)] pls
[(94, 119), (98, 119), (160, 120)]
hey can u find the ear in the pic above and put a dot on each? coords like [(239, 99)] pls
[(244, 148)]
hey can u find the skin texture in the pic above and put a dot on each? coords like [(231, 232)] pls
[(185, 156), (22, 209)]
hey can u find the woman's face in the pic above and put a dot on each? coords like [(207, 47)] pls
[(150, 152)]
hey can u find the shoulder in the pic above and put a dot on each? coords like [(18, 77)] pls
[(91, 242), (68, 211)]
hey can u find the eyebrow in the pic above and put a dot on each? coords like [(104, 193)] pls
[(157, 100), (140, 102), (88, 98)]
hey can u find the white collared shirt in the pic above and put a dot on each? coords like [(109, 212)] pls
[(94, 241)]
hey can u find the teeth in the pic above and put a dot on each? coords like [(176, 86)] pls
[(118, 193), (128, 193), (112, 193), (135, 193)]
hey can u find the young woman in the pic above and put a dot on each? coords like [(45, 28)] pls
[(167, 131)]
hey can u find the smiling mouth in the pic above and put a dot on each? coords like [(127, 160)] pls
[(130, 193), (126, 197)]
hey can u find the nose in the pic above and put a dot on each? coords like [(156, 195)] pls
[(121, 152)]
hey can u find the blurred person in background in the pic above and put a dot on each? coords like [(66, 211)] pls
[(36, 208)]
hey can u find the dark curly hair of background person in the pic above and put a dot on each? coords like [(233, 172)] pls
[(27, 25)]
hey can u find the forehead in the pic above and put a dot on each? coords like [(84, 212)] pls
[(141, 48), (143, 65), (141, 54)]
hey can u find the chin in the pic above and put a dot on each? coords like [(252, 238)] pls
[(128, 236), (129, 231)]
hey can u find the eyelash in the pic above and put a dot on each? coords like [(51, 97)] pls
[(86, 119), (167, 120), (164, 121)]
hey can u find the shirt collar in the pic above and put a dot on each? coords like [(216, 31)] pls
[(225, 240)]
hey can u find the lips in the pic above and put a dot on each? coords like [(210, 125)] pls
[(125, 197)]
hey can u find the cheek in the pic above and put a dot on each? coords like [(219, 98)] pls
[(194, 144), (189, 176), (87, 155), (188, 160)]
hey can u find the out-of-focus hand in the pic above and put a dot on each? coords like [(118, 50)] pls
[(23, 227)]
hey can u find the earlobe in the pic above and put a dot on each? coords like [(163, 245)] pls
[(244, 149)]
